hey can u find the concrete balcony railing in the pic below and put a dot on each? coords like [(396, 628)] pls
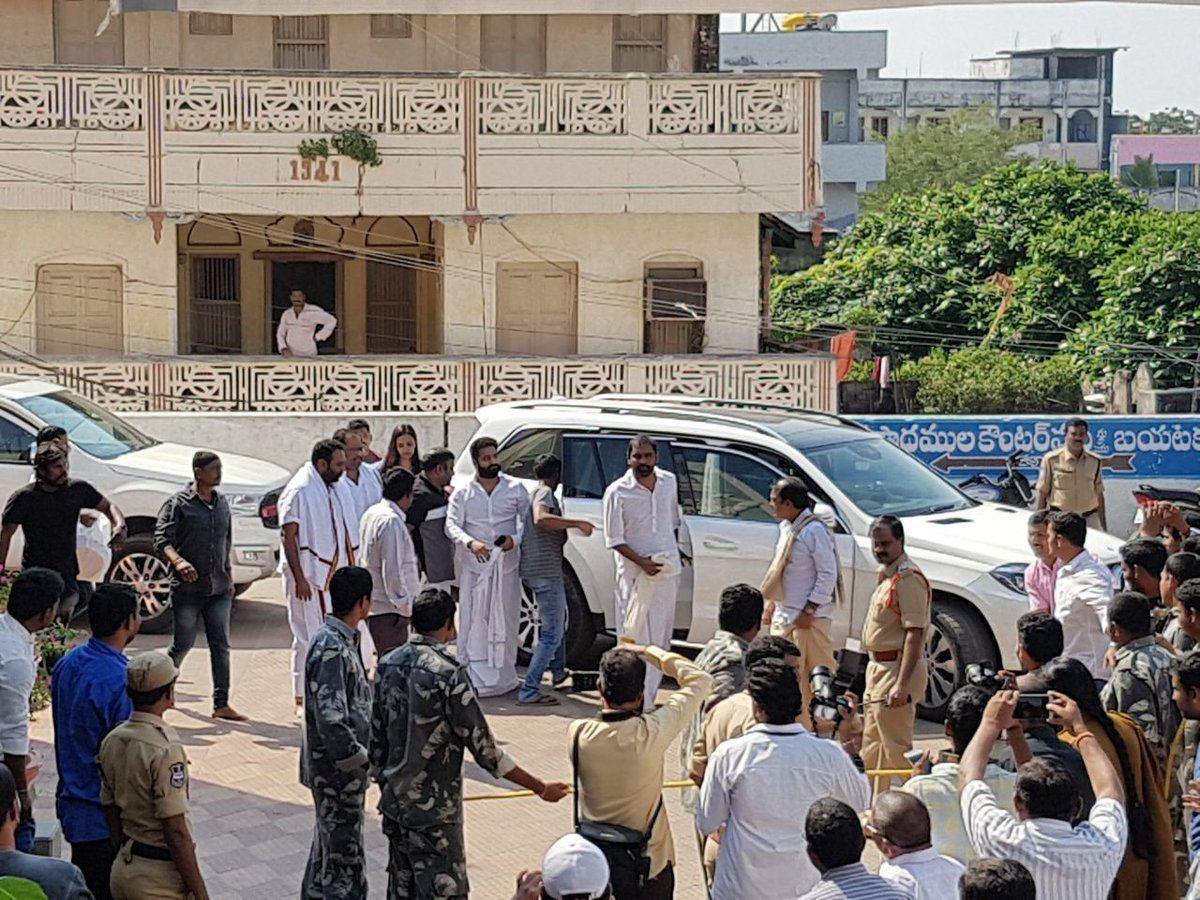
[(441, 384), (951, 93), (222, 142)]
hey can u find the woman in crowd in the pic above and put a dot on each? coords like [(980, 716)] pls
[(1148, 870), (402, 450)]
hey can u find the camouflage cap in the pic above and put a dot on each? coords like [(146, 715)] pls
[(150, 671)]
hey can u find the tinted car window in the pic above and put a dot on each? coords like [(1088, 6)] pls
[(517, 456), (728, 485), (15, 442), (582, 477)]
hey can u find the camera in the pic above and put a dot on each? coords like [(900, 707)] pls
[(828, 703), (1030, 707)]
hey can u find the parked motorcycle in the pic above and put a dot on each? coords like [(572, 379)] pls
[(1012, 489)]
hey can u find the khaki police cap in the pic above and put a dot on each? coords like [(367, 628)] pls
[(151, 670)]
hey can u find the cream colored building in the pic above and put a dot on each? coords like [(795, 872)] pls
[(556, 184)]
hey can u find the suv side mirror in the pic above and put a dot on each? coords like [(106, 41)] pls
[(826, 514)]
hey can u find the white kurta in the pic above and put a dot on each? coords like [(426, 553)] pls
[(327, 541), (489, 592), (648, 523), (358, 497)]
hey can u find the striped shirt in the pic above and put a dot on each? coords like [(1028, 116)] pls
[(854, 882), (1067, 863)]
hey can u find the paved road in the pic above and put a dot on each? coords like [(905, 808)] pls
[(253, 819)]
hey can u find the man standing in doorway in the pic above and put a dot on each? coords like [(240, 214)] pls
[(317, 540), (802, 581), (361, 486), (894, 636), (302, 326), (484, 519), (195, 535), (427, 518), (1071, 480), (47, 511), (641, 527)]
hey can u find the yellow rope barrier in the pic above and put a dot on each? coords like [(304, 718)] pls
[(514, 795)]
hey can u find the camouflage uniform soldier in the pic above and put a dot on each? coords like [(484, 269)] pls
[(1140, 685), (425, 714), (333, 756)]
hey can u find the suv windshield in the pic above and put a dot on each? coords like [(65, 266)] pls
[(880, 478), (91, 428)]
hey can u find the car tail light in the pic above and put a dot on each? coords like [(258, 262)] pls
[(1140, 499), (268, 509)]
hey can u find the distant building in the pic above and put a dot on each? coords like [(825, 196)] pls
[(1176, 161), (851, 162), (1065, 92)]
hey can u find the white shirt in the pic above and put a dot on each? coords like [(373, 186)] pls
[(647, 521), (928, 874), (476, 515), (18, 668), (1081, 595), (811, 572), (387, 552), (939, 792), (359, 496), (1067, 863), (300, 333), (759, 786)]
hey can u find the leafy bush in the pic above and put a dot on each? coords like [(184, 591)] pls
[(981, 380)]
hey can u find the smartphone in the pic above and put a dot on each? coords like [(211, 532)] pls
[(1032, 707)]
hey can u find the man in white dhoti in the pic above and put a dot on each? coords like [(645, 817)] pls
[(641, 526), (483, 521), (361, 486), (318, 537)]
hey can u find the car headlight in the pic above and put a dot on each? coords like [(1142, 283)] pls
[(1011, 575), (244, 504)]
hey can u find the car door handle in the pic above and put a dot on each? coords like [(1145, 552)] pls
[(713, 543)]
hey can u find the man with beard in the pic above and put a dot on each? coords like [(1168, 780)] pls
[(894, 637), (361, 486), (318, 538), (484, 520), (47, 510), (641, 527)]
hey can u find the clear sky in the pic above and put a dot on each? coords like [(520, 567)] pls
[(1160, 69)]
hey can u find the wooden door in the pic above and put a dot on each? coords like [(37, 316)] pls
[(80, 311), (536, 309), (513, 44), (75, 40), (391, 308)]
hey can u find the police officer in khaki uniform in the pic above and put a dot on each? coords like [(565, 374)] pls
[(1070, 479), (144, 789), (894, 638)]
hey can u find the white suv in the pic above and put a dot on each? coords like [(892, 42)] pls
[(138, 473), (726, 456)]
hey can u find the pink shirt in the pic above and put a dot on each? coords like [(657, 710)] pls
[(1039, 584)]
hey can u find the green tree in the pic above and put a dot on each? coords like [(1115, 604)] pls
[(1142, 176), (1167, 121), (960, 151), (1150, 304), (935, 264)]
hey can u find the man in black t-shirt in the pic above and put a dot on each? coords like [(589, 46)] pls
[(427, 518), (47, 510)]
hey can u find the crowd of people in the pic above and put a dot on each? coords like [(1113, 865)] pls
[(1075, 777)]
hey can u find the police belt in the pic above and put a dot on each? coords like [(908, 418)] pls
[(149, 851), (884, 655)]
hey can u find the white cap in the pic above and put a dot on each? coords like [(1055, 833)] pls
[(574, 866)]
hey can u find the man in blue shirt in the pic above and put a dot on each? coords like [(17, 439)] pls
[(88, 690)]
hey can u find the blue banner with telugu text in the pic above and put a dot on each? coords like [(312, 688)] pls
[(1141, 447)]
